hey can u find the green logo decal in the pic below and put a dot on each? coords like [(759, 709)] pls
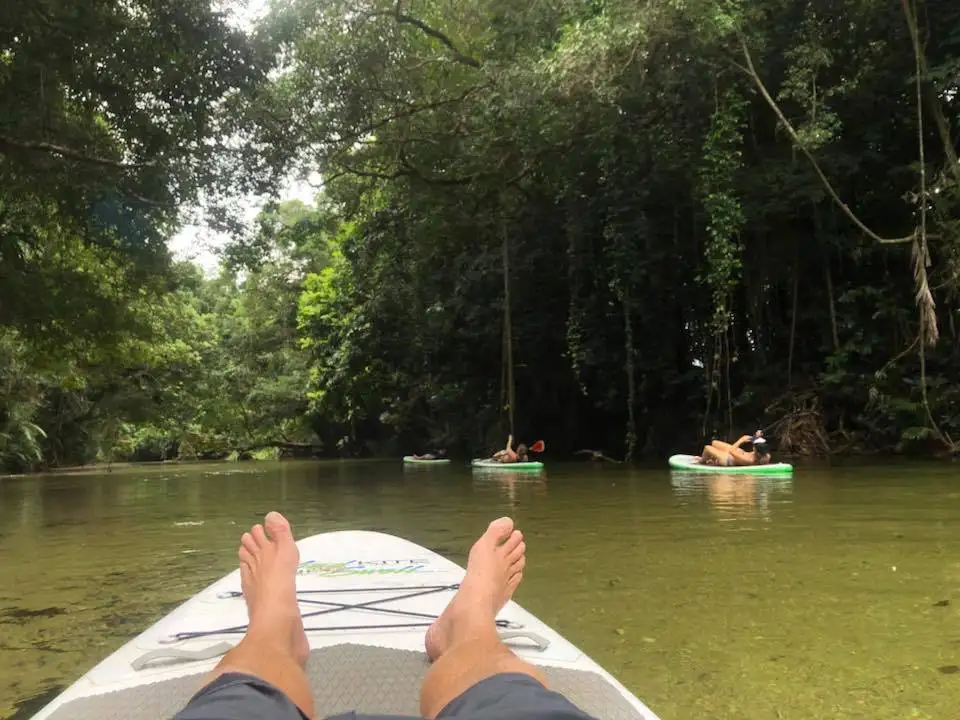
[(363, 567)]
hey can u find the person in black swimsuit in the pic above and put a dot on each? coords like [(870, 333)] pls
[(748, 450)]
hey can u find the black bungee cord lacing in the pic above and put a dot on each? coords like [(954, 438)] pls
[(333, 607)]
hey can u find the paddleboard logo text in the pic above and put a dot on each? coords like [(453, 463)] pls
[(363, 567)]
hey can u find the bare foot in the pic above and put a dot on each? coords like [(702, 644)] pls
[(494, 570), (268, 577)]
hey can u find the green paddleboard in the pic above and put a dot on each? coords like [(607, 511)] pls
[(411, 460), (494, 465), (685, 462)]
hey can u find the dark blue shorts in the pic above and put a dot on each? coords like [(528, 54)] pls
[(508, 696)]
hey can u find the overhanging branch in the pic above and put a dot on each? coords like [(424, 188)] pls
[(349, 170), (752, 73), (458, 55), (408, 112), (406, 169), (433, 180), (7, 142), (930, 95)]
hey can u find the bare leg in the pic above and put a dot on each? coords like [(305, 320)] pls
[(275, 647), (463, 642), (713, 456), (722, 446)]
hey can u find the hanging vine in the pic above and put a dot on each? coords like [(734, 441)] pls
[(622, 241), (920, 259), (929, 332), (575, 311), (722, 160)]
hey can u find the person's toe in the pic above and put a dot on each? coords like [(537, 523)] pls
[(259, 535), (246, 557), (499, 529), (511, 543), (277, 526), (517, 553), (248, 543)]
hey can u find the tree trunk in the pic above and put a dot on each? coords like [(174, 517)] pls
[(833, 310), (726, 342), (827, 276), (625, 301), (507, 329), (793, 316)]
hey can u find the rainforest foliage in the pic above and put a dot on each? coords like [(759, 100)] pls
[(712, 216)]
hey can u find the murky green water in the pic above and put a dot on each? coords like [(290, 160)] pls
[(836, 595)]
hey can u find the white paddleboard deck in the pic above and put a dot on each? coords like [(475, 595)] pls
[(357, 662)]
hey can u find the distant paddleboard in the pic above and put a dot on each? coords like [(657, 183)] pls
[(411, 460), (493, 464), (687, 464), (367, 599)]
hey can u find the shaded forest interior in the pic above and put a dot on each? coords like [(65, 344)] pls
[(715, 216)]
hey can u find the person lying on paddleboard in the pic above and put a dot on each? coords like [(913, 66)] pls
[(435, 455), (507, 455), (726, 454), (472, 675)]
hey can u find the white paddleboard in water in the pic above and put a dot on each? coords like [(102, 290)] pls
[(691, 463), (411, 460), (367, 599)]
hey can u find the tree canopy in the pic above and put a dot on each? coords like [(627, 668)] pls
[(707, 217)]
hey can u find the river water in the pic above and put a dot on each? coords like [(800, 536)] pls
[(834, 595)]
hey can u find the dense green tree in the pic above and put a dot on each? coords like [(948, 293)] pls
[(113, 115), (714, 214)]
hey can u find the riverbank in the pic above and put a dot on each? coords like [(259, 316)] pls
[(801, 462)]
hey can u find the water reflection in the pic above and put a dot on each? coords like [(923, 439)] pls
[(512, 484), (643, 574), (733, 497)]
